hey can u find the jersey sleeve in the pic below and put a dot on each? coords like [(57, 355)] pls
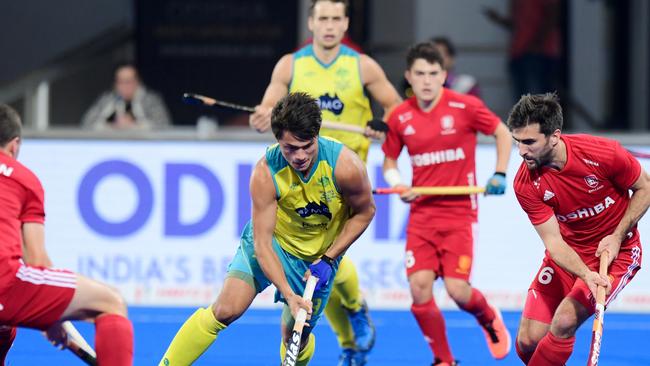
[(624, 169), (538, 212), (393, 144), (34, 208), (484, 120)]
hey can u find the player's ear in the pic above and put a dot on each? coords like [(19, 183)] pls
[(310, 23), (346, 23), (555, 137), (407, 75), (14, 146)]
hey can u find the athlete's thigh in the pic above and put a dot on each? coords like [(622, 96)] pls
[(421, 251), (92, 298), (36, 297), (547, 290), (620, 272), (457, 248)]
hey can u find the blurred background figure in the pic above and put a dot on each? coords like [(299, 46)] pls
[(462, 83), (130, 105), (535, 44)]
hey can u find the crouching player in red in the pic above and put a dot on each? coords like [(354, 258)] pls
[(575, 190), (35, 295), (438, 127)]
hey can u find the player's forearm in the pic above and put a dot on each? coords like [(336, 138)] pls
[(638, 207), (504, 146), (352, 230), (272, 267), (567, 258)]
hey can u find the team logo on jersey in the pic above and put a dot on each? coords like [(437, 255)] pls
[(405, 117), (332, 104), (548, 195), (591, 181), (447, 125), (314, 208), (409, 130)]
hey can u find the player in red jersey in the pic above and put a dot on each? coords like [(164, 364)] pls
[(575, 190), (32, 294), (438, 127)]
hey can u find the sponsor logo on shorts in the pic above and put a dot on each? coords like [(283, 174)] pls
[(464, 264)]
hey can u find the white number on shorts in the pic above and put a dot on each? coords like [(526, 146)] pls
[(410, 259), (545, 275)]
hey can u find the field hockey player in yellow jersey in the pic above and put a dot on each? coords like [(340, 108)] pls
[(337, 76), (311, 200)]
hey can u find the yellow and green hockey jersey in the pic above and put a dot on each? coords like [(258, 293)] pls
[(311, 210), (338, 88)]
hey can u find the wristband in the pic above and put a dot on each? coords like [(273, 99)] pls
[(392, 177), (500, 173), (327, 260)]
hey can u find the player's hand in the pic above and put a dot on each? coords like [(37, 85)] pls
[(376, 129), (322, 270), (260, 120), (594, 279), (496, 184), (407, 195), (610, 243), (57, 336), (296, 302)]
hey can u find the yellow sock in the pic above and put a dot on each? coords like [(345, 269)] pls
[(346, 283), (339, 321), (305, 354), (345, 295), (195, 336)]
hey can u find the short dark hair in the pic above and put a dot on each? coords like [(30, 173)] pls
[(446, 42), (125, 64), (10, 125), (297, 113), (344, 2), (425, 50), (544, 109)]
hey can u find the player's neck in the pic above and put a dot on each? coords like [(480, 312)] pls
[(326, 55), (428, 105), (559, 157)]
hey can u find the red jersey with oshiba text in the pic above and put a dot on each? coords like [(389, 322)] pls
[(441, 144), (21, 200), (589, 196)]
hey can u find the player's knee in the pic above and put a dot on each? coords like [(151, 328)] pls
[(564, 324), (116, 302), (225, 313), (526, 342), (460, 291)]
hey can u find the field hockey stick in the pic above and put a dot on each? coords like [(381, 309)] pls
[(597, 330), (78, 345), (638, 154), (196, 99), (432, 191), (293, 348)]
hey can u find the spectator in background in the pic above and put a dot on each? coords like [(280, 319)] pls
[(535, 44), (461, 83), (130, 105)]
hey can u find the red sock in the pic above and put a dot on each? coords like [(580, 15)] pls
[(432, 324), (478, 306), (552, 350), (523, 356), (7, 336), (113, 340)]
